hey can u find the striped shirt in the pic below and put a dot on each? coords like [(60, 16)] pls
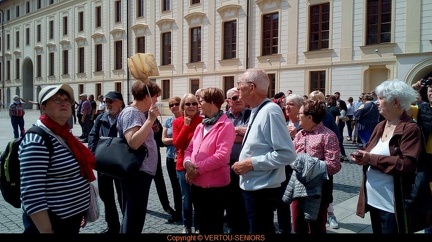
[(55, 184)]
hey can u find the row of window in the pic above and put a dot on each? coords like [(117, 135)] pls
[(166, 6)]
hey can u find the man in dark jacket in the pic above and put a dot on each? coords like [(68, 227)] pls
[(105, 125)]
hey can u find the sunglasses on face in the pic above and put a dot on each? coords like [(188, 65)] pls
[(189, 104), (174, 104), (109, 101), (234, 98)]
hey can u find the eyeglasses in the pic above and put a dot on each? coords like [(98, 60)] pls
[(242, 82), (189, 104), (234, 98), (109, 101), (58, 100), (174, 104)]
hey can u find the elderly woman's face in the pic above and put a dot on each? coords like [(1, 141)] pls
[(58, 108), (291, 109)]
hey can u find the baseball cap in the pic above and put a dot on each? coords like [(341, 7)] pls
[(50, 91), (16, 98), (83, 95), (114, 95)]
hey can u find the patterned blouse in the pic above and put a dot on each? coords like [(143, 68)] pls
[(321, 143)]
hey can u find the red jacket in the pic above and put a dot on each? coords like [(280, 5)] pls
[(182, 135)]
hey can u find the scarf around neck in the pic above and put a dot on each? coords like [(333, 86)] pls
[(86, 159), (213, 120)]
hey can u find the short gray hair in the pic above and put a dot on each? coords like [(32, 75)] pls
[(391, 90), (297, 99), (259, 77), (228, 93)]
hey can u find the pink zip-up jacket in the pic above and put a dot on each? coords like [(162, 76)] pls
[(211, 153)]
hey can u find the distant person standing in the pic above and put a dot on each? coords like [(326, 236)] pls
[(86, 113), (267, 149), (16, 113), (93, 114)]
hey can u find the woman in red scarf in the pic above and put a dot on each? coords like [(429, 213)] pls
[(55, 191)]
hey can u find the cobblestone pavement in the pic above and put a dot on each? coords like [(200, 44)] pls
[(346, 188)]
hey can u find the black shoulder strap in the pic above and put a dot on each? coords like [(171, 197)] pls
[(45, 136), (253, 118)]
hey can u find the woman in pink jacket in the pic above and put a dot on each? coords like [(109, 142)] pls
[(207, 162)]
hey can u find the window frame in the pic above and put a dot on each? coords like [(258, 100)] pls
[(98, 16), (81, 59), (166, 51), (80, 21), (316, 82), (139, 8), (65, 25), (51, 29), (118, 55), (65, 62), (380, 15), (166, 5), (51, 64), (195, 45), (38, 33), (270, 34), (319, 26), (140, 44), (17, 68), (117, 9), (17, 39), (229, 40), (98, 57), (166, 88), (39, 66)]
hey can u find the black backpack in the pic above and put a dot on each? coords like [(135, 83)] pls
[(10, 167)]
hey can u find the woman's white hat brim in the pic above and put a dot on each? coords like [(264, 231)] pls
[(50, 91)]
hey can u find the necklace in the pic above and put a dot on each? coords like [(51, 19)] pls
[(389, 130)]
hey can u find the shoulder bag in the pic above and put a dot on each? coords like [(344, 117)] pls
[(115, 158)]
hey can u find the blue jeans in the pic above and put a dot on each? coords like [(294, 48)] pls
[(382, 222), (186, 199), (17, 121), (260, 207), (136, 190)]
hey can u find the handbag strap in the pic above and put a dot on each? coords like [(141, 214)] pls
[(253, 118)]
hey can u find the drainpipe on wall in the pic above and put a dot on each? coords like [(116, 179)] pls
[(247, 33)]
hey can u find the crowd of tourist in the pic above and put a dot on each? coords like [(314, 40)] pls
[(212, 153)]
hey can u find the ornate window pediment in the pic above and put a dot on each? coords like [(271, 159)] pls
[(65, 43), (38, 48), (165, 24), (195, 18), (17, 52), (268, 5), (80, 40), (51, 46), (229, 11), (117, 33), (98, 37), (139, 27)]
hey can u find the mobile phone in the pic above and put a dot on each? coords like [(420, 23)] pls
[(357, 154)]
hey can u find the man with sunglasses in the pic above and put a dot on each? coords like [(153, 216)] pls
[(235, 208), (105, 125)]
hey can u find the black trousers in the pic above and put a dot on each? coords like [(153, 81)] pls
[(106, 186)]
